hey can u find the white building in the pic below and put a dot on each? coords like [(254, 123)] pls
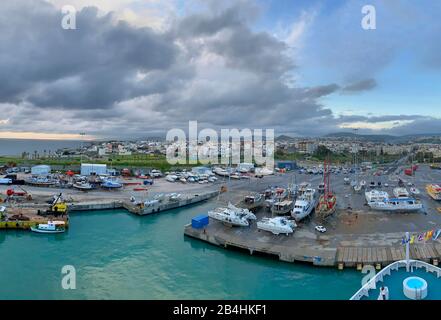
[(41, 170), (88, 169)]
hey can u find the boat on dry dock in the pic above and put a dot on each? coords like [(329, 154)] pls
[(434, 191), (242, 211), (283, 207), (83, 186), (376, 195), (397, 205), (401, 193), (253, 201), (327, 203), (229, 216), (304, 204), (277, 225)]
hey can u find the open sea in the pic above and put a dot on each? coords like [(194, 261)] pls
[(15, 147), (117, 255)]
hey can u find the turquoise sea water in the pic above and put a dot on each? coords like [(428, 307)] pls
[(121, 256)]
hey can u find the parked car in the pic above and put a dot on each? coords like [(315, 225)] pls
[(320, 229)]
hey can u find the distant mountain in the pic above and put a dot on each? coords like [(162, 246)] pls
[(386, 138), (367, 137), (284, 138)]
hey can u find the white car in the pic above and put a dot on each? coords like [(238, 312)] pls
[(386, 185), (320, 229)]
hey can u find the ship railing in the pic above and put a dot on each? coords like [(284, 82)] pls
[(386, 271)]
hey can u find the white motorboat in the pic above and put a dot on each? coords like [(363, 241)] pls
[(242, 212), (50, 227), (221, 172), (415, 191), (171, 178), (83, 186), (376, 195), (397, 205), (260, 172), (277, 225), (401, 193), (304, 204), (229, 216)]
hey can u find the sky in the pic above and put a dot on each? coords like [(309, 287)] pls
[(138, 68)]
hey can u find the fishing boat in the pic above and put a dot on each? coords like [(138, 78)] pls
[(434, 191), (304, 204), (277, 225), (327, 204), (83, 186), (282, 207), (229, 216), (376, 195), (397, 205), (50, 227), (401, 193), (253, 201)]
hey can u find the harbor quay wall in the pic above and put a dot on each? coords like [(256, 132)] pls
[(318, 257), (351, 257), (169, 205)]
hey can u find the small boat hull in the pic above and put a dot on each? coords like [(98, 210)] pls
[(35, 229)]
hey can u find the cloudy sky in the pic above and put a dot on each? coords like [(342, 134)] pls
[(135, 68)]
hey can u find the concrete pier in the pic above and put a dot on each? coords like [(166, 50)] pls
[(315, 251), (281, 246), (169, 204)]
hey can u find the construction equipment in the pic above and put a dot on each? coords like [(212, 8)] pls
[(11, 192), (58, 207)]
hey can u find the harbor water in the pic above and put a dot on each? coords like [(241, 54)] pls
[(117, 255)]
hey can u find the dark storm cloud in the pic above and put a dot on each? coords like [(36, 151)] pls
[(363, 85), (113, 79), (92, 66)]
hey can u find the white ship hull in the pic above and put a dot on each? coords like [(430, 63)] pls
[(401, 206), (229, 218), (276, 226)]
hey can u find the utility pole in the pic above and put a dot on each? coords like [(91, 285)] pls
[(82, 134)]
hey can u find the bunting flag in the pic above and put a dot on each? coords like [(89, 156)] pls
[(429, 235), (433, 234)]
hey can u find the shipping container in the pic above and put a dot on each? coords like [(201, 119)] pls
[(200, 221)]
